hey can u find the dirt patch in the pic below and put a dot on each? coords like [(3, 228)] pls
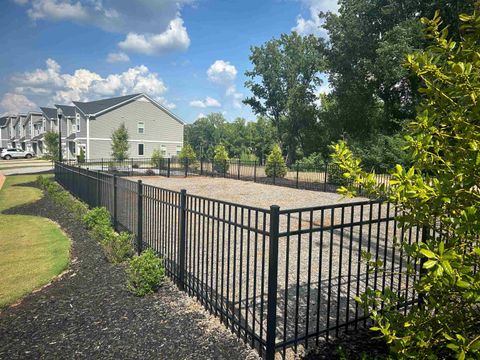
[(246, 192)]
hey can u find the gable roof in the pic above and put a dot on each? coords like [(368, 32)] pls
[(94, 107), (50, 113), (68, 110), (3, 120)]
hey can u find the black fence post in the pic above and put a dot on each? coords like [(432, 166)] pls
[(254, 170), (425, 237), (160, 163), (168, 167), (182, 238), (297, 175), (99, 190), (272, 282), (238, 170), (186, 167), (114, 177), (102, 164), (325, 177), (139, 216), (225, 168)]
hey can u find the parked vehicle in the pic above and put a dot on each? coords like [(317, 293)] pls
[(8, 154)]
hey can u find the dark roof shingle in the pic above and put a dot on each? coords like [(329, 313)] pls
[(51, 113), (68, 110), (3, 120), (93, 107)]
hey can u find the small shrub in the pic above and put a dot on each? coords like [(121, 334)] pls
[(157, 158), (187, 153), (335, 175), (98, 216), (81, 157), (275, 165), (118, 247), (313, 161), (101, 232), (145, 273), (220, 160), (149, 172), (135, 166)]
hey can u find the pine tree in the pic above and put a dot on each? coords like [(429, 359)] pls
[(275, 166), (120, 143)]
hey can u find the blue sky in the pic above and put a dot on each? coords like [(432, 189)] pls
[(190, 55)]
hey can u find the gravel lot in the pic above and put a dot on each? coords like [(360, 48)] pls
[(228, 246)]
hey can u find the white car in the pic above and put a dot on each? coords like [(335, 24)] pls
[(8, 154)]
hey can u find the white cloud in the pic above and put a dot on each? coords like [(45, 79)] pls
[(117, 57), (175, 38), (312, 25), (50, 85), (222, 72), (151, 26), (201, 115), (208, 102), (235, 96), (14, 103)]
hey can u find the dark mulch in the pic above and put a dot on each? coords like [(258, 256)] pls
[(358, 345), (88, 313)]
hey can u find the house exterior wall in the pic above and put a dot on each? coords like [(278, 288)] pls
[(161, 129), (4, 136)]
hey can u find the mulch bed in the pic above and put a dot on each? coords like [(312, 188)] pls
[(88, 313), (354, 346)]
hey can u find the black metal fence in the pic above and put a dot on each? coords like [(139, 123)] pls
[(278, 278), (324, 178)]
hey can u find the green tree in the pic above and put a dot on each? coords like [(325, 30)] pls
[(156, 159), (220, 160), (187, 153), (284, 81), (439, 191), (120, 144), (51, 145), (81, 157), (275, 165)]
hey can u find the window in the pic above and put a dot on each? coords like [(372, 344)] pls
[(179, 148), (141, 127), (140, 149), (163, 150), (77, 123), (44, 124)]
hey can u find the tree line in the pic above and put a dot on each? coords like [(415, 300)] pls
[(372, 94)]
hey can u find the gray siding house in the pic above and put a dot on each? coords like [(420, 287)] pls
[(4, 131), (150, 126)]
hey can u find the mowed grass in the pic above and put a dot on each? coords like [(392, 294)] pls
[(33, 250)]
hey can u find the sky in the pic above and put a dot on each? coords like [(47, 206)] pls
[(189, 55)]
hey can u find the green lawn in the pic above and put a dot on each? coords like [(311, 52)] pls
[(33, 249)]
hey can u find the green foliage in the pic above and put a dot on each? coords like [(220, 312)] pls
[(247, 156), (81, 157), (120, 145), (145, 273), (187, 154), (275, 165), (98, 216), (284, 81), (62, 197), (51, 145), (438, 191), (314, 161), (118, 247), (220, 160), (157, 158)]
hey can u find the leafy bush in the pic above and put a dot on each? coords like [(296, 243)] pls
[(119, 143), (118, 247), (81, 157), (335, 175), (438, 192), (157, 158), (145, 273), (98, 216), (187, 152), (248, 156), (275, 165), (51, 145), (220, 160), (135, 166), (149, 172), (312, 162)]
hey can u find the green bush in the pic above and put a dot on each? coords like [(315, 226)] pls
[(81, 157), (220, 160), (145, 273), (275, 165), (118, 247), (98, 216), (101, 232), (336, 175), (313, 161), (187, 153), (157, 158)]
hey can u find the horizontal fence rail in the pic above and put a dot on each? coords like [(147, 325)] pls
[(278, 278), (325, 178)]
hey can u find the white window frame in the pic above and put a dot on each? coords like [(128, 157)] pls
[(163, 150), (44, 124), (141, 127), (138, 149), (179, 149), (77, 123)]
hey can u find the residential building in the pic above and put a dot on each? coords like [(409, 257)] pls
[(149, 124), (26, 129), (4, 131), (68, 130)]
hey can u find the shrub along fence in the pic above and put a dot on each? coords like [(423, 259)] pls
[(325, 178), (278, 278)]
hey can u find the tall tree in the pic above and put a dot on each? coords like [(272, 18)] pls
[(284, 81), (120, 145)]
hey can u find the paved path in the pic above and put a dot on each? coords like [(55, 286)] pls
[(24, 166)]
